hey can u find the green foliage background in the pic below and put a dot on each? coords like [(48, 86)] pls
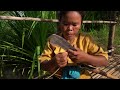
[(22, 41)]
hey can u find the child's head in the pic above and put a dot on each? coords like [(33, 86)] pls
[(70, 23), (63, 13)]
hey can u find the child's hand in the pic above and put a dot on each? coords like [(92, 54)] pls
[(61, 59), (76, 56)]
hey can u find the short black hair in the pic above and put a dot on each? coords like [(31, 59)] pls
[(63, 13)]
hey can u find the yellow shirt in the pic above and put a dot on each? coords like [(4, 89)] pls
[(84, 42)]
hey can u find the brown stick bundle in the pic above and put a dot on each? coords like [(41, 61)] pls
[(98, 71)]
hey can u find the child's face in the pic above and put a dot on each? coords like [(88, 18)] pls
[(70, 24)]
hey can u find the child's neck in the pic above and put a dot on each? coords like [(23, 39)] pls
[(71, 40)]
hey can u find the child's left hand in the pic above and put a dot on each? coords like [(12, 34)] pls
[(76, 56)]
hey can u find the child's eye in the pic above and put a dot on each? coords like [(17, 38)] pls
[(74, 24), (65, 24)]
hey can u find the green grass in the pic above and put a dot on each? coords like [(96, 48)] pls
[(23, 41)]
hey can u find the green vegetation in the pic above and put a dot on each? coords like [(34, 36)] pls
[(22, 41)]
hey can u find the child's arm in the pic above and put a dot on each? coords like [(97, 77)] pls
[(49, 66), (94, 55), (59, 60), (81, 57)]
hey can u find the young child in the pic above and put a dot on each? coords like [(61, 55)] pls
[(87, 51)]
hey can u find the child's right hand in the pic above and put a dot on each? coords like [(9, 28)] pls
[(61, 59)]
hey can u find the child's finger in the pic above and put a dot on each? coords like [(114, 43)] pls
[(75, 46), (70, 51)]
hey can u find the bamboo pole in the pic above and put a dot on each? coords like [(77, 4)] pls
[(48, 20), (27, 19), (111, 39)]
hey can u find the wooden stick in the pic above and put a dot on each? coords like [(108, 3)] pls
[(102, 22), (111, 38), (27, 19), (111, 76), (98, 71), (48, 20)]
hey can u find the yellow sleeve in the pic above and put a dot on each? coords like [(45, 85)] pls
[(95, 49), (47, 53)]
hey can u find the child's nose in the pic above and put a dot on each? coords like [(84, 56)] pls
[(70, 27)]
